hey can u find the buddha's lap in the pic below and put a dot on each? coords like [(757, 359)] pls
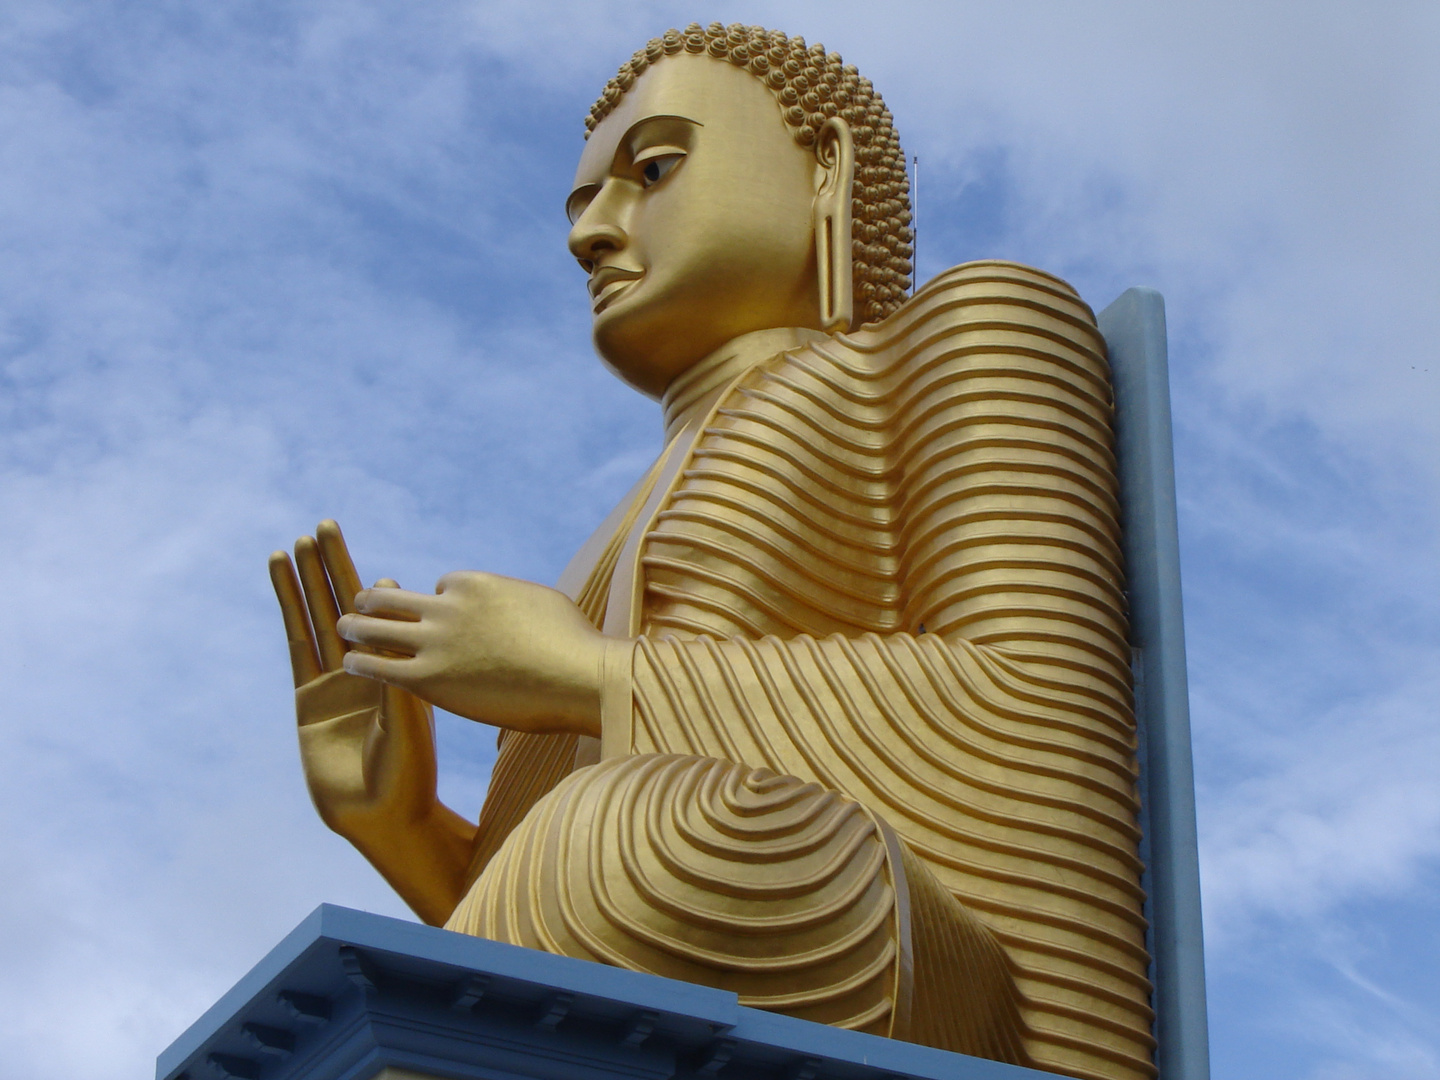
[(797, 898)]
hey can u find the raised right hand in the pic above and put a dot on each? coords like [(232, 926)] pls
[(368, 750)]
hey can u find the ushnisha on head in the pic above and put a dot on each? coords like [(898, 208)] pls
[(733, 180)]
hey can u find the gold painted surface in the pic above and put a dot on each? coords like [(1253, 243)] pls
[(708, 871), (834, 708), (949, 470)]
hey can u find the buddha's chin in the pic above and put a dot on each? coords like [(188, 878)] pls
[(637, 368), (649, 335), (645, 348)]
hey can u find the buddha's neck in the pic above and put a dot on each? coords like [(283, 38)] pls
[(691, 389)]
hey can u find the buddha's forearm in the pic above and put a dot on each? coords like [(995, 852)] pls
[(804, 706), (424, 860)]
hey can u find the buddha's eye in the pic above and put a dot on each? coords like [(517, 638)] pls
[(657, 168)]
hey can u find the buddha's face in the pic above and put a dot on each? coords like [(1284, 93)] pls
[(692, 213)]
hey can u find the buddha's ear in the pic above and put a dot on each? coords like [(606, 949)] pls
[(835, 152)]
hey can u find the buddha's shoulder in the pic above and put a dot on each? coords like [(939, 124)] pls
[(991, 304)]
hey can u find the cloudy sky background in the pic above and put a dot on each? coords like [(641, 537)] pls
[(265, 262)]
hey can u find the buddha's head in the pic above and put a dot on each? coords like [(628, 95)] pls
[(735, 180)]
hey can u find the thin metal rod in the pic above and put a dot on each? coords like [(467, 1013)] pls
[(915, 226)]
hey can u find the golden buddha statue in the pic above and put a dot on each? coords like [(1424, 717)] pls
[(834, 710)]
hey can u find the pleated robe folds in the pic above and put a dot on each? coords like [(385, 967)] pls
[(868, 751)]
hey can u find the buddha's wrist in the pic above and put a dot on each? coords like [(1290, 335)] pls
[(423, 858), (616, 698), (564, 695)]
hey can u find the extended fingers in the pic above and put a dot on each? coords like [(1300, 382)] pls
[(392, 635), (393, 602), (320, 599), (385, 669), (338, 565), (304, 664)]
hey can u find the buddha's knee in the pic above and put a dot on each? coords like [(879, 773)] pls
[(713, 873), (797, 898)]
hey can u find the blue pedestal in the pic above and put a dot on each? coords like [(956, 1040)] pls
[(353, 996)]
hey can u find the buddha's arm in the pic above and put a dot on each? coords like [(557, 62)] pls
[(901, 721)]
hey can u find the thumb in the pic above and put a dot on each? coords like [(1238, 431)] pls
[(406, 718)]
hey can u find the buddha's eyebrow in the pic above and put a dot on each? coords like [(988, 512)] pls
[(641, 128)]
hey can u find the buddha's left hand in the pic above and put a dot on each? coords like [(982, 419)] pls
[(494, 649)]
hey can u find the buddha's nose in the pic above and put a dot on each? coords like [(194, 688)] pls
[(592, 237)]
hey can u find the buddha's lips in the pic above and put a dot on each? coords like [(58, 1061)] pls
[(606, 283)]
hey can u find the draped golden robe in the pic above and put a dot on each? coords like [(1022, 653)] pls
[(868, 749)]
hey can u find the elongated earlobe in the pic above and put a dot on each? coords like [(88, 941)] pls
[(835, 151)]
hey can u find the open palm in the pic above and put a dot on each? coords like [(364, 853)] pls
[(368, 749)]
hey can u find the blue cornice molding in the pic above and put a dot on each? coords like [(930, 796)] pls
[(347, 994)]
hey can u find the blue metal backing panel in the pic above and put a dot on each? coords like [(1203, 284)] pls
[(1134, 329)]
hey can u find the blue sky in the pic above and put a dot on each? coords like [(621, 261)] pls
[(265, 263)]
